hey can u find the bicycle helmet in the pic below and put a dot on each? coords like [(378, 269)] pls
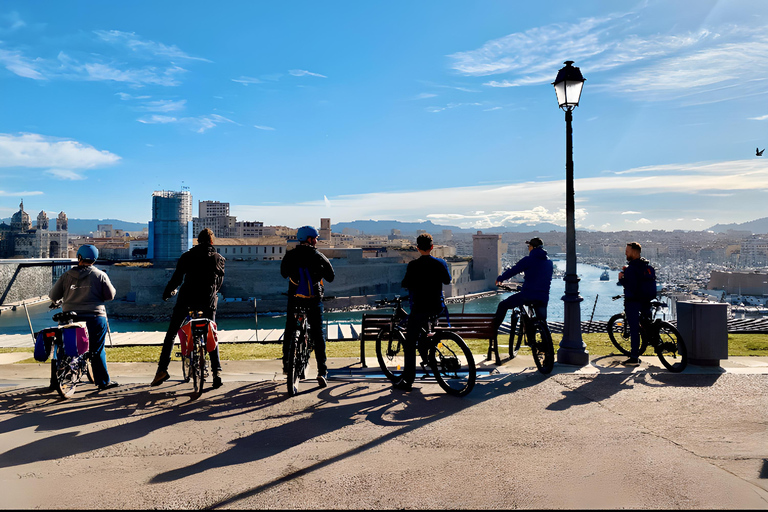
[(306, 232), (89, 253)]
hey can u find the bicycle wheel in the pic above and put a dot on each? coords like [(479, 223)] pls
[(540, 341), (197, 367), (452, 364), (88, 369), (297, 361), (618, 332), (66, 380), (390, 352), (671, 348), (515, 337)]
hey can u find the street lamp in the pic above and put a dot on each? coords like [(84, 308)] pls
[(568, 85)]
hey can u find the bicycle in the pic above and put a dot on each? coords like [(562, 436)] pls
[(662, 336), (71, 360), (448, 356), (299, 350), (194, 364), (537, 336)]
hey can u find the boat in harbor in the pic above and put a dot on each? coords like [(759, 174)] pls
[(605, 276)]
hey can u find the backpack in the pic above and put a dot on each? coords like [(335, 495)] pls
[(648, 283), (305, 288)]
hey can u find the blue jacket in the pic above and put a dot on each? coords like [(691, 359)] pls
[(538, 271), (633, 280)]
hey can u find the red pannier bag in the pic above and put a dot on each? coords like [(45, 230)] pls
[(185, 337)]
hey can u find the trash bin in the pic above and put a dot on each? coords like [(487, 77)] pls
[(704, 328)]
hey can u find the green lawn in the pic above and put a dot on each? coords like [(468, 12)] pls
[(597, 344)]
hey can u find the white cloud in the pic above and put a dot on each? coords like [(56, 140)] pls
[(643, 221), (450, 106), (247, 80), (200, 124), (25, 193), (503, 83), (11, 22), (302, 72), (424, 96), (163, 105), (759, 118), (268, 128), (16, 63), (630, 213), (155, 119), (326, 201), (38, 151), (143, 46), (65, 174), (698, 220)]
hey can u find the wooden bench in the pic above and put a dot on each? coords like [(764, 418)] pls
[(466, 325)]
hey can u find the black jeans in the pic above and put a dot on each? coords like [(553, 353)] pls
[(516, 300), (314, 308), (417, 323), (177, 319), (633, 310)]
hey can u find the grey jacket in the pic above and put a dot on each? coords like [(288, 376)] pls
[(84, 289)]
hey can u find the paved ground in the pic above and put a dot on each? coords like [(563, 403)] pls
[(597, 437)]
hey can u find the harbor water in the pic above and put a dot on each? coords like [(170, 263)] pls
[(590, 287)]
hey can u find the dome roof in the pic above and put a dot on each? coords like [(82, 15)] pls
[(20, 220)]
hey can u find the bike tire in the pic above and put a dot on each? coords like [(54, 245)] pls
[(185, 368), (297, 363), (515, 336), (671, 349), (66, 383), (197, 367), (540, 341), (390, 351), (618, 332), (89, 370), (452, 363)]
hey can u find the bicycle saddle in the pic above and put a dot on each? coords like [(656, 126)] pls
[(64, 317)]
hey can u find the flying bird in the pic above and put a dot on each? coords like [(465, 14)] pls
[(759, 152)]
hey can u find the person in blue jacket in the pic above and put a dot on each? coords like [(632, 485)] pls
[(537, 269)]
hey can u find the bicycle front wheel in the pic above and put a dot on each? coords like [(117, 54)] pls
[(452, 364), (671, 349), (197, 367), (540, 341), (390, 351), (515, 336), (88, 369)]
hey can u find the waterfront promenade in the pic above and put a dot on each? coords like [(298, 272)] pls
[(601, 436)]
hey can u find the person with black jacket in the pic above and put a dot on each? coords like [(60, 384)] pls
[(306, 268), (202, 271), (636, 302), (424, 280)]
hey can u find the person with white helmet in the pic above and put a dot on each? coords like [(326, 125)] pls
[(84, 289), (306, 268)]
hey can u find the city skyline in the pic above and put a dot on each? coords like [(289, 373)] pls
[(440, 111)]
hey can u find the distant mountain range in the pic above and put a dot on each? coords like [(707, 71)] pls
[(88, 226), (757, 226), (385, 227)]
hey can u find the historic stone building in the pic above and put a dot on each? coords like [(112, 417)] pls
[(21, 240)]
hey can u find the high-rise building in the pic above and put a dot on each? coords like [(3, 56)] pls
[(325, 229), (170, 231), (486, 256), (212, 209)]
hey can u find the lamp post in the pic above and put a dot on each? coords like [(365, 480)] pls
[(568, 85)]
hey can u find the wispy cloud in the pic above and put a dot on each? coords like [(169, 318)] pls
[(247, 80), (11, 22), (452, 105), (424, 96), (199, 124), (38, 151), (759, 118), (720, 61), (260, 127), (25, 193), (65, 174), (302, 72), (163, 106), (631, 213), (144, 47)]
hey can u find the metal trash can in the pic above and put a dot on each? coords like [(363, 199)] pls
[(704, 327)]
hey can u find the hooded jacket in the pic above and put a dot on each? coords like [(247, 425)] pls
[(538, 271), (84, 289), (633, 280), (202, 271)]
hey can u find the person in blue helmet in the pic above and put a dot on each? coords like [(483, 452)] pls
[(306, 268), (537, 269), (84, 289)]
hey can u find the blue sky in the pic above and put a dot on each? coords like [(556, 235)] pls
[(429, 110)]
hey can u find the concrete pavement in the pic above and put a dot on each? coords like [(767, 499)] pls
[(602, 436)]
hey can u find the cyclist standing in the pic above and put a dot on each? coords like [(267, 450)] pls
[(202, 271), (424, 280), (636, 302), (84, 289), (538, 270), (306, 268)]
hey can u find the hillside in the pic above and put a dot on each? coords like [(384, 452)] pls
[(87, 226), (757, 226), (385, 227)]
